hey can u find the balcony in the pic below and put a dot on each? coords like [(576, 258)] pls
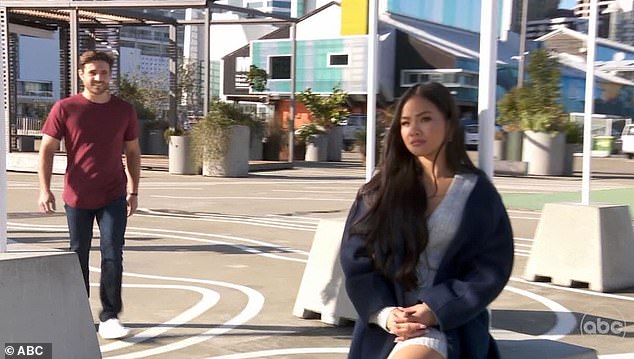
[(35, 90)]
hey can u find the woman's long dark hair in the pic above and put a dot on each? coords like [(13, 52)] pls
[(395, 225)]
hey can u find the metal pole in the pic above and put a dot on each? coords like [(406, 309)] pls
[(173, 80), (4, 109), (487, 84), (589, 103), (370, 152), (74, 51), (206, 60), (291, 116), (520, 65)]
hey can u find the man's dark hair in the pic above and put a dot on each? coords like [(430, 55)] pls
[(94, 55)]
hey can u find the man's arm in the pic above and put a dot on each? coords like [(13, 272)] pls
[(49, 145), (132, 153)]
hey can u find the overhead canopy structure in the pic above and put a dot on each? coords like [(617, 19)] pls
[(100, 21)]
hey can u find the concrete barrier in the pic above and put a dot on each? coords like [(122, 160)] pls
[(28, 162), (322, 291), (43, 300), (578, 245)]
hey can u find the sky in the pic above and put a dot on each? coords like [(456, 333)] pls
[(567, 4)]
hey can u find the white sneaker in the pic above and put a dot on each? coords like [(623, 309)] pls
[(112, 329)]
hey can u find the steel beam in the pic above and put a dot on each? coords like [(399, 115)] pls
[(291, 117), (85, 4), (206, 59), (173, 80), (74, 51)]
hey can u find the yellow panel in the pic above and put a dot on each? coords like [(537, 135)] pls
[(354, 17)]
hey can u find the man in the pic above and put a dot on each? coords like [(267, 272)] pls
[(96, 126)]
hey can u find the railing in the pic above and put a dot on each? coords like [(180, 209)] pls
[(29, 126)]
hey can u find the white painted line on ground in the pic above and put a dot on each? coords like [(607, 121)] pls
[(140, 231), (524, 239), (523, 245), (573, 290), (253, 307), (209, 300), (255, 198), (566, 321), (522, 211), (617, 356), (226, 219), (286, 351), (352, 193), (529, 218), (222, 236)]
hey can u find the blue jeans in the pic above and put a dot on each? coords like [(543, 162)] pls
[(112, 220)]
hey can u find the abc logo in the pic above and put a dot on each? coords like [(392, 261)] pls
[(591, 325)]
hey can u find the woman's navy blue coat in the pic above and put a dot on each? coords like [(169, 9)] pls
[(474, 271)]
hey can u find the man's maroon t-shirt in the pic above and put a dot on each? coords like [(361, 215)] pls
[(94, 134)]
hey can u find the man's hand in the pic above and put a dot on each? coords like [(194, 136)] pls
[(402, 327), (46, 202), (133, 203)]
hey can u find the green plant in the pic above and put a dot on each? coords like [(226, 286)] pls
[(574, 132), (536, 106), (130, 90), (210, 134), (327, 111), (509, 110), (541, 109), (305, 131), (174, 131), (257, 78)]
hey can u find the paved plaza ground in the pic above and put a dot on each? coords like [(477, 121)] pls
[(213, 265)]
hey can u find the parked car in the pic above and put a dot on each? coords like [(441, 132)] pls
[(350, 127), (472, 135), (627, 141)]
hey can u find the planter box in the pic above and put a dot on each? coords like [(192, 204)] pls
[(317, 148), (181, 160), (235, 161), (544, 153)]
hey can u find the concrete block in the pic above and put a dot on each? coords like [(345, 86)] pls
[(512, 168), (583, 244), (322, 290), (43, 300), (28, 162)]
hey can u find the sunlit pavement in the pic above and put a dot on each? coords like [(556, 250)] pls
[(213, 265)]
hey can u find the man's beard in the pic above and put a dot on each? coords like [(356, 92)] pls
[(98, 88)]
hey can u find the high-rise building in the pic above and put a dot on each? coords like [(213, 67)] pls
[(608, 22), (536, 10)]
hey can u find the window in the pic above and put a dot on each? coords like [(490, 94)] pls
[(243, 64), (338, 59), (280, 67)]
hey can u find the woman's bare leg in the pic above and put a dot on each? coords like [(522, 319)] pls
[(416, 352)]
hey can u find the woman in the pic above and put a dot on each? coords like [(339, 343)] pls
[(428, 244)]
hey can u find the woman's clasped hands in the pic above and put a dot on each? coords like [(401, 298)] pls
[(410, 322)]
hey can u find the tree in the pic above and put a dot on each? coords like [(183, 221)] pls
[(327, 111), (257, 78), (536, 106), (131, 91)]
